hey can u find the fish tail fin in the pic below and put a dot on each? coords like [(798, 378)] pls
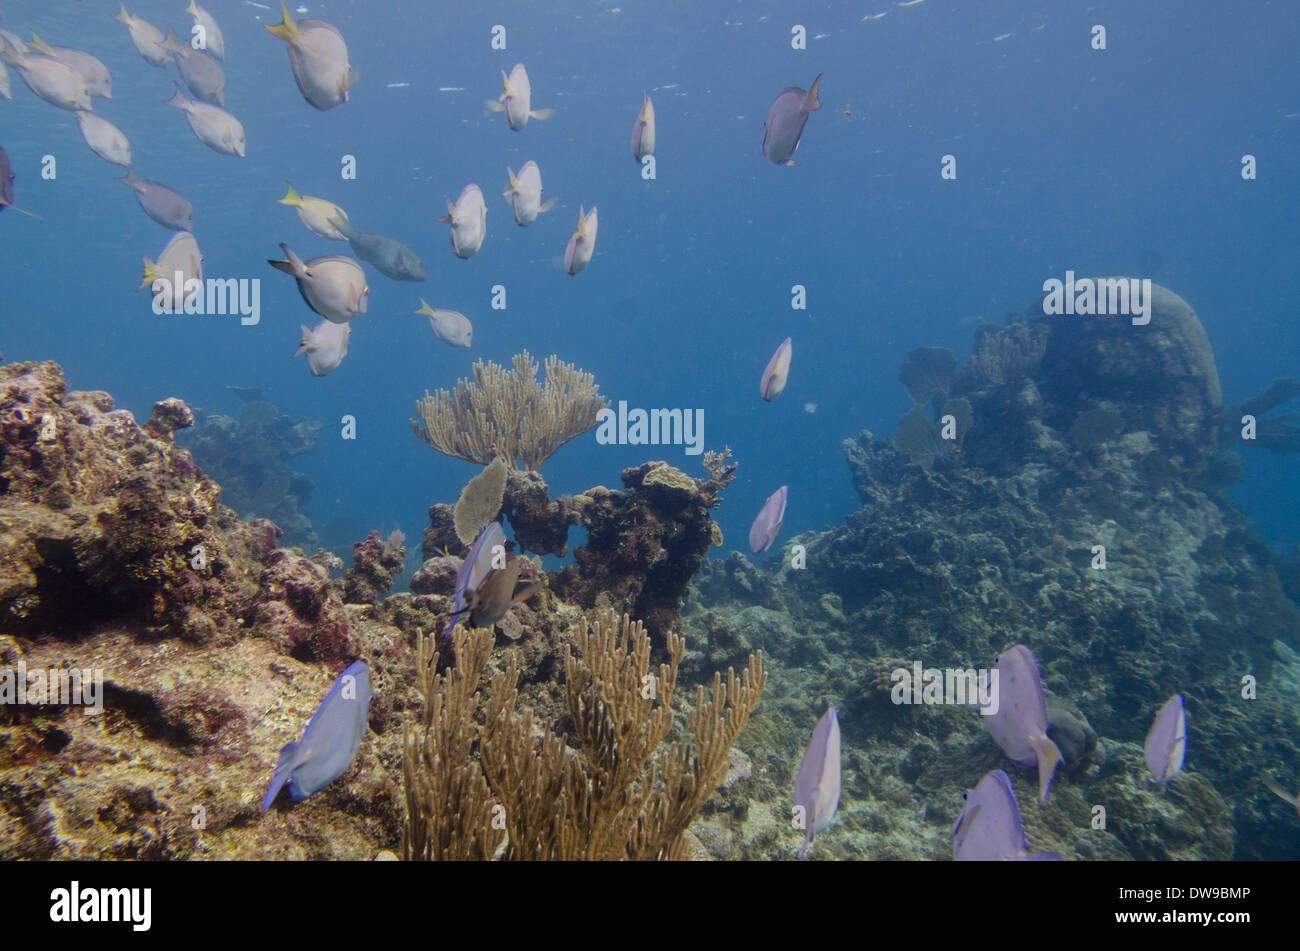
[(1049, 758), (178, 99), (424, 307), (292, 266), (548, 204), (131, 179), (23, 211), (123, 16), (812, 101), (151, 274), (541, 113), (39, 44), (306, 341), (291, 197), (283, 771), (286, 29), (493, 105), (192, 9), (171, 42)]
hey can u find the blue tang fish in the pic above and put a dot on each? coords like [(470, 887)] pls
[(990, 828), (330, 742)]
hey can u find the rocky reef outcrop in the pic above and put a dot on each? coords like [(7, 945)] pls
[(248, 453)]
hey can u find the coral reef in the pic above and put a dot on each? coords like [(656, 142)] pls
[(607, 803), (248, 455), (507, 413), (376, 562), (1106, 444)]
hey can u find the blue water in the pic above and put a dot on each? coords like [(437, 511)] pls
[(1123, 160)]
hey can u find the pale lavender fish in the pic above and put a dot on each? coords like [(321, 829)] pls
[(1020, 724), (1166, 742), (990, 828), (474, 569), (817, 790), (785, 121), (169, 208), (772, 384), (765, 528)]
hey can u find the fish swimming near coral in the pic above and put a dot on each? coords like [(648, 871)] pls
[(786, 119), (468, 219), (990, 827), (768, 523), (98, 81), (525, 194), (577, 255), (329, 743), (326, 345), (489, 581), (817, 790), (333, 286), (387, 255), (643, 131), (517, 99), (1019, 724), (775, 373), (318, 56), (1166, 742), (449, 326), (164, 205)]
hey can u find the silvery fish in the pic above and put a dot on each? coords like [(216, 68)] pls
[(213, 41), (329, 743), (774, 375), (768, 523), (333, 286), (468, 220), (449, 326), (1020, 724), (525, 194), (643, 132), (325, 346), (990, 828), (474, 569), (202, 74), (14, 40), (7, 186), (1166, 742), (517, 99), (169, 208), (148, 39), (98, 82), (388, 255), (577, 255), (817, 790), (105, 139), (785, 121), (1286, 797), (316, 214), (57, 84), (179, 264), (319, 58), (214, 126)]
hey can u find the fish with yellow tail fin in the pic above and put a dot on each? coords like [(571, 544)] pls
[(148, 39), (517, 99), (1019, 723), (318, 55), (317, 214), (577, 255), (525, 194), (179, 266)]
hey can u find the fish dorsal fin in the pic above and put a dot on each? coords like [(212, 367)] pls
[(292, 197), (812, 102)]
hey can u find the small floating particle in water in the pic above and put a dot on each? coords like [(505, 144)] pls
[(451, 89), (398, 85), (874, 16), (1003, 36)]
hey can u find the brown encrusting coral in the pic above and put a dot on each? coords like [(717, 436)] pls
[(526, 795), (507, 413)]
